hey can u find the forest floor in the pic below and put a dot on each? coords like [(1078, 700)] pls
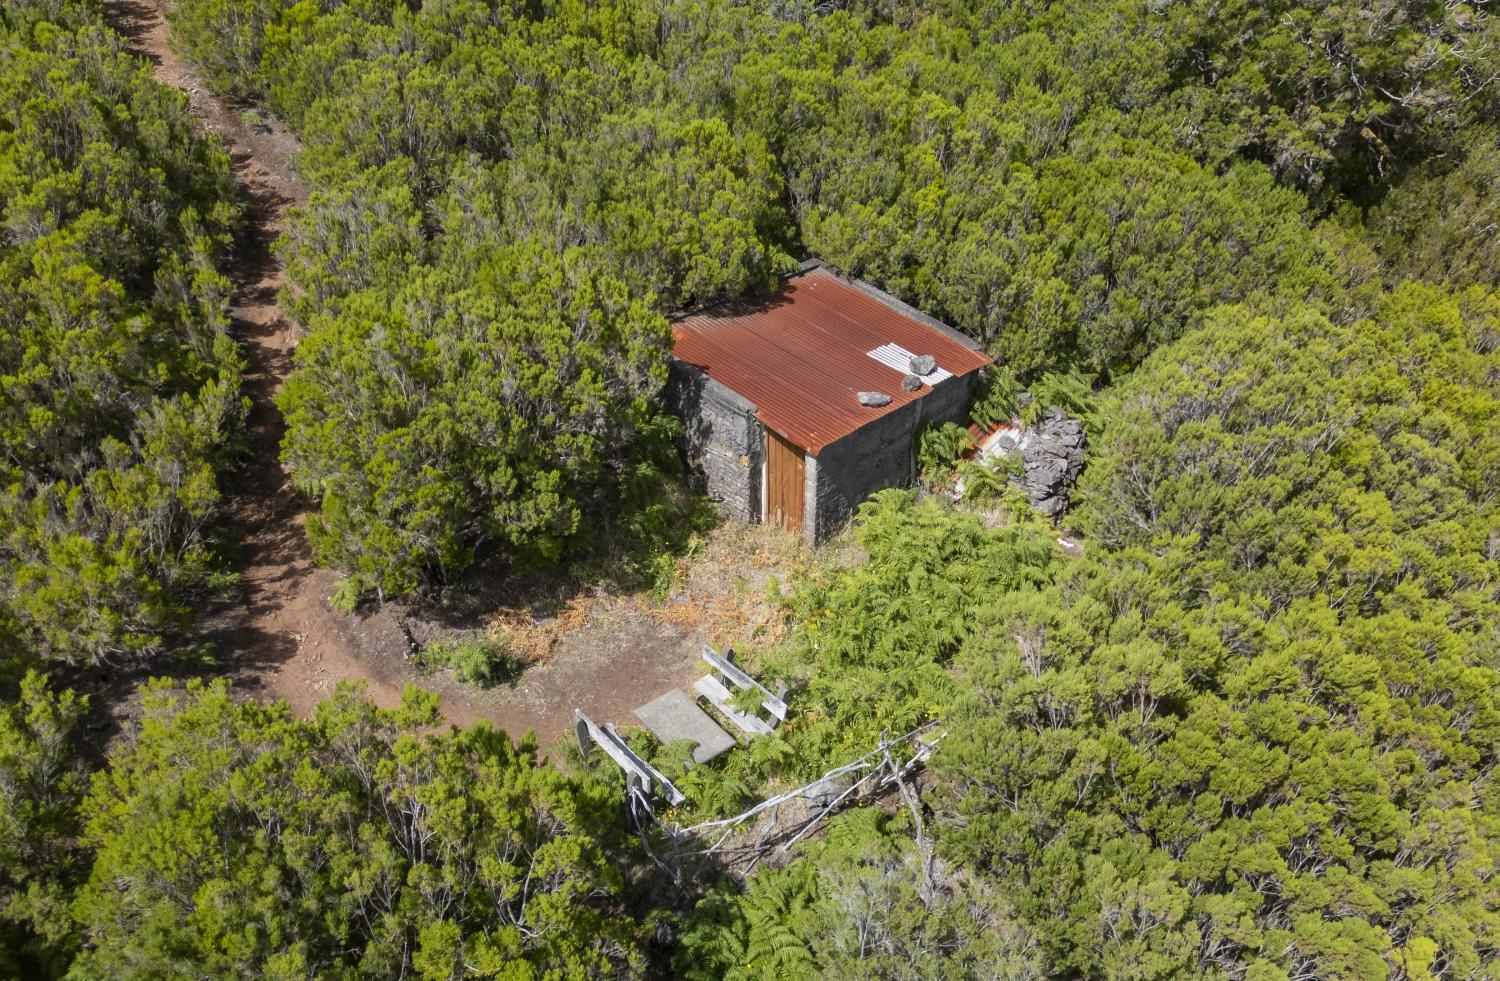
[(277, 636)]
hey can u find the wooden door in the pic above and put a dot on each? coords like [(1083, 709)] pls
[(785, 469)]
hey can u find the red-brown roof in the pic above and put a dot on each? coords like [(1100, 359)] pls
[(801, 354)]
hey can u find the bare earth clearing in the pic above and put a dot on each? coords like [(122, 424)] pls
[(277, 637)]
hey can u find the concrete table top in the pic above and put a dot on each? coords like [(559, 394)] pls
[(674, 716)]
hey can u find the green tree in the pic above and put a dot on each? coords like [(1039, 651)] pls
[(1334, 97), (492, 416), (232, 839), (41, 784), (120, 380), (226, 39)]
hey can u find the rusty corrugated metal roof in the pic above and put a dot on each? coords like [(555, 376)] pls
[(801, 354)]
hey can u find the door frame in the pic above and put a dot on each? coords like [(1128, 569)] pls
[(765, 475)]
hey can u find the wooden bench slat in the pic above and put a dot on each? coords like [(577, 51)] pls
[(615, 747), (740, 679), (718, 696)]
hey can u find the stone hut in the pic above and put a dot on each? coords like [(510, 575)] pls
[(800, 404)]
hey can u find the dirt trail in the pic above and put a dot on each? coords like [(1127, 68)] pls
[(278, 636)]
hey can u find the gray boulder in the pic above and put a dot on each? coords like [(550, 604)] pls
[(874, 399), (1051, 506), (911, 383), (1004, 443), (924, 364), (1051, 461), (825, 792)]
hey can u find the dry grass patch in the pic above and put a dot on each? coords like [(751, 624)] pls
[(530, 638), (726, 584)]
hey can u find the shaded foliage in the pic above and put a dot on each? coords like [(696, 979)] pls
[(1440, 223), (233, 839), (41, 786), (121, 385)]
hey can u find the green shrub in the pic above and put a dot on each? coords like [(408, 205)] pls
[(481, 661), (997, 397), (662, 576), (1069, 388), (988, 480), (345, 596), (938, 450), (121, 381)]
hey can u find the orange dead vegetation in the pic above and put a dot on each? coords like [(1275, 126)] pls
[(532, 639), (724, 586)]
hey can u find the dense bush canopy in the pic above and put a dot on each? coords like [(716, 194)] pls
[(1066, 185), (1252, 731), (120, 384), (233, 840), (1257, 729)]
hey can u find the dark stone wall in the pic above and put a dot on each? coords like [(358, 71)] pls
[(723, 441), (725, 448), (876, 456)]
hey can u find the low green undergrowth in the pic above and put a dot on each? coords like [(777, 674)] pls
[(484, 662)]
